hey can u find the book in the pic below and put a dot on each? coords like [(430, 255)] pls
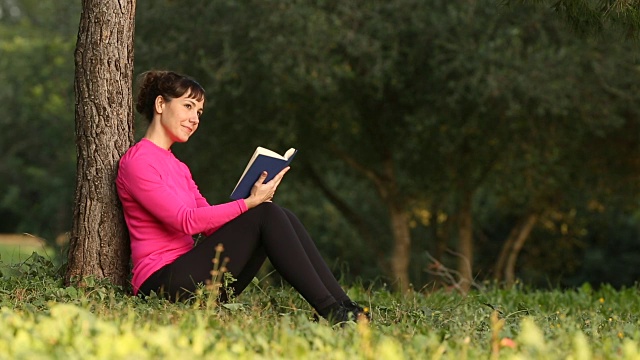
[(262, 160)]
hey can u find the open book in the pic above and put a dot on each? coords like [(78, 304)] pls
[(262, 160)]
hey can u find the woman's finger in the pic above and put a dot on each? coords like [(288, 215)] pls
[(278, 178), (261, 178)]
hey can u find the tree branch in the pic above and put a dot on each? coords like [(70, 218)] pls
[(352, 217)]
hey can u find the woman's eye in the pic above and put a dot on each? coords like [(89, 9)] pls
[(188, 106)]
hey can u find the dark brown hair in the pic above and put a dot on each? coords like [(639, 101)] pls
[(169, 85)]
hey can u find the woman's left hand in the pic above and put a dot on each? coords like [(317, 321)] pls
[(264, 192)]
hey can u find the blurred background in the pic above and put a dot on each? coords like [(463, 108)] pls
[(440, 142)]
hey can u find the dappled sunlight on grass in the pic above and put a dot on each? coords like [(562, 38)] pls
[(43, 318)]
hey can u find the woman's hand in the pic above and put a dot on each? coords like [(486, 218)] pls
[(263, 192)]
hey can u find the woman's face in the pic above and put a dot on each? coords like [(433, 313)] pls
[(179, 117)]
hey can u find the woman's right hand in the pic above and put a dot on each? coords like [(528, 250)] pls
[(263, 192)]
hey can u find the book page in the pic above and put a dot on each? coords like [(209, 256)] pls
[(264, 151), (289, 152)]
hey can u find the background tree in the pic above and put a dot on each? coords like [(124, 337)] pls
[(408, 108), (517, 81), (104, 131), (37, 154), (499, 121), (594, 16)]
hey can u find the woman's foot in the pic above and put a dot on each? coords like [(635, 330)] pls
[(357, 310), (348, 311)]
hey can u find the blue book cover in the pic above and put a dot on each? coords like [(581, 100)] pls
[(262, 160)]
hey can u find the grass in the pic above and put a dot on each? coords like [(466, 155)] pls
[(43, 319), (13, 254), (17, 248)]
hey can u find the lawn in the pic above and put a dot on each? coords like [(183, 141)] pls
[(11, 254), (15, 248), (43, 319)]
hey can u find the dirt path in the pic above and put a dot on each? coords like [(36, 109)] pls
[(20, 239)]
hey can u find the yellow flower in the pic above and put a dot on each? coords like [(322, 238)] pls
[(601, 300)]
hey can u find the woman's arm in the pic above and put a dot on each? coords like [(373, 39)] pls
[(143, 182)]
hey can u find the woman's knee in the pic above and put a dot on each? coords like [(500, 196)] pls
[(293, 218), (268, 206), (289, 213), (268, 210)]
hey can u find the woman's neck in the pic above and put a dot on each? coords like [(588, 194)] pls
[(156, 135)]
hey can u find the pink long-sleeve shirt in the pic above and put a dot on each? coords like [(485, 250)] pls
[(163, 208)]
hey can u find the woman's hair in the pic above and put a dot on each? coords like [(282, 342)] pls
[(169, 85)]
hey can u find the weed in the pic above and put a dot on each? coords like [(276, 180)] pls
[(42, 318)]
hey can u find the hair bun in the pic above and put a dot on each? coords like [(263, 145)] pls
[(168, 84)]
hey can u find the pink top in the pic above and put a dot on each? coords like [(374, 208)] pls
[(163, 208)]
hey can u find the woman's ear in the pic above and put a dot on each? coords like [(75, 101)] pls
[(159, 104)]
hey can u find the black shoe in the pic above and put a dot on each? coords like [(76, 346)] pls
[(357, 310), (348, 311)]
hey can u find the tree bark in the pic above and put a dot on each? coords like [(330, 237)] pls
[(99, 244), (387, 187), (523, 235), (352, 217), (465, 244), (401, 246), (499, 269)]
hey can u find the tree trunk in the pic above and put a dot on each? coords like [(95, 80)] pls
[(387, 186), (465, 244), (401, 247), (351, 216), (499, 269), (99, 243), (510, 266)]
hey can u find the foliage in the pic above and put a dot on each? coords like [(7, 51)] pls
[(43, 319), (37, 156), (594, 16), (11, 254), (467, 95), (504, 106)]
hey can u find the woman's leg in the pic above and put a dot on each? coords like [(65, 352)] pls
[(327, 277), (352, 309), (239, 239), (264, 230), (289, 257)]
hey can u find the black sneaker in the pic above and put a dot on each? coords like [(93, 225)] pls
[(357, 310), (348, 311)]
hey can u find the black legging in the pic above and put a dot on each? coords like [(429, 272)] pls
[(264, 231)]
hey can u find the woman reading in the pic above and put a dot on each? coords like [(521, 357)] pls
[(164, 209)]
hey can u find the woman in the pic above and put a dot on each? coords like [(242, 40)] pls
[(163, 209)]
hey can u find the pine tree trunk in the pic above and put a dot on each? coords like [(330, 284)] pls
[(99, 244)]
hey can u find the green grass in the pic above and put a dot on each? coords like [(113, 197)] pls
[(42, 319), (15, 253)]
